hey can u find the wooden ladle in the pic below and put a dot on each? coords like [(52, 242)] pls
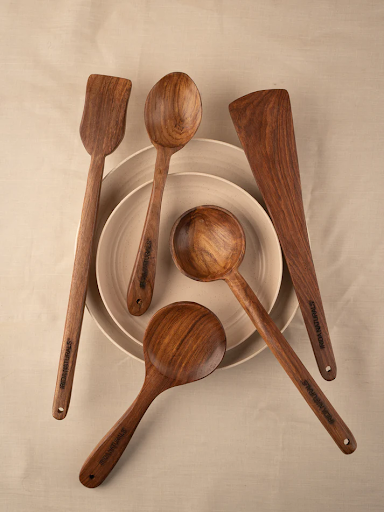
[(172, 116), (183, 342), (207, 244)]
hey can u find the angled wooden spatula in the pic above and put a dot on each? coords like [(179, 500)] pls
[(264, 125), (102, 129)]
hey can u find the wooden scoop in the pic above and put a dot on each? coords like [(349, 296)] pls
[(102, 129), (264, 124), (183, 342), (207, 244), (172, 116)]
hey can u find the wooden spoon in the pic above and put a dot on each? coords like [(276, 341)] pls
[(207, 244), (172, 116), (183, 342), (264, 124), (102, 129)]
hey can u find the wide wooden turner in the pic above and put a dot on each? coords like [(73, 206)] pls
[(102, 129), (264, 124)]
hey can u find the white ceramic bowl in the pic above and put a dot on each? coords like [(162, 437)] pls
[(262, 265), (199, 155)]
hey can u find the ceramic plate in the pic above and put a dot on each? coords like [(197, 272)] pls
[(201, 156), (116, 253)]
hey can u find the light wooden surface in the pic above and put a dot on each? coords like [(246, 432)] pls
[(236, 441)]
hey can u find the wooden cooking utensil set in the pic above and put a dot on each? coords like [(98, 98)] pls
[(185, 341)]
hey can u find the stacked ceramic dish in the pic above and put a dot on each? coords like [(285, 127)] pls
[(204, 172)]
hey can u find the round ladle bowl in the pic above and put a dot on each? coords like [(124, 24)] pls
[(207, 243)]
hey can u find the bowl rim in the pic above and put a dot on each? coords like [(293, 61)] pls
[(267, 221), (99, 324)]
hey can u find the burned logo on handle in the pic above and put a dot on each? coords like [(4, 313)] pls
[(67, 356), (318, 402), (147, 254), (316, 323), (113, 446)]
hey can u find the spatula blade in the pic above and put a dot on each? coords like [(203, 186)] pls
[(103, 124)]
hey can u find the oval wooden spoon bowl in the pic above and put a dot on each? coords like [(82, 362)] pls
[(208, 243), (183, 342), (172, 116)]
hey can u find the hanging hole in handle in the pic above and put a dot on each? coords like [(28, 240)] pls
[(328, 368), (91, 477), (60, 409), (139, 302), (346, 441)]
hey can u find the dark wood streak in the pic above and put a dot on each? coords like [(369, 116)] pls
[(172, 116), (264, 124), (183, 342), (102, 129), (208, 243)]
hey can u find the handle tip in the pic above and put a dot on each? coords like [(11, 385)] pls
[(137, 307), (349, 444), (329, 371), (59, 413), (89, 479)]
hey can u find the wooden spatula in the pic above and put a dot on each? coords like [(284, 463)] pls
[(102, 129), (264, 124)]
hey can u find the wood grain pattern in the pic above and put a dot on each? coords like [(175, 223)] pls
[(102, 129), (264, 124), (208, 243), (183, 342), (172, 116)]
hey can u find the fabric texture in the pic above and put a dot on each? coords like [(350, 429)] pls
[(242, 439)]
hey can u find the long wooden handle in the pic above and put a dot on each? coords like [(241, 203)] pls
[(78, 292), (295, 369), (107, 453), (141, 285)]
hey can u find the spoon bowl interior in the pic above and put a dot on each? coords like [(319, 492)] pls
[(173, 111), (207, 242), (185, 342)]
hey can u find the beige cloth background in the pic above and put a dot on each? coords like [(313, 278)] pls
[(243, 439)]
